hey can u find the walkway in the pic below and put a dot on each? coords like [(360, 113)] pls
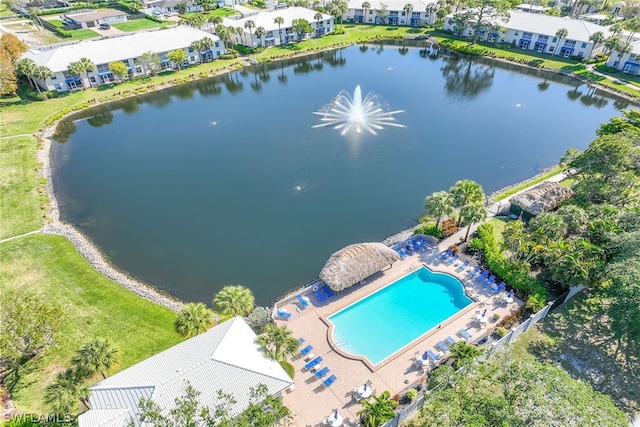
[(19, 236), (592, 68)]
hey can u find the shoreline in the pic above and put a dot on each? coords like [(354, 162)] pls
[(94, 255)]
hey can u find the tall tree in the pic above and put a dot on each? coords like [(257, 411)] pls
[(13, 46), (562, 33), (472, 213), (383, 12), (25, 67), (42, 72), (464, 353), (378, 410), (301, 27), (318, 17), (250, 25), (466, 192), (150, 62), (119, 70), (215, 21), (279, 20), (337, 8), (408, 9), (234, 300), (278, 342), (439, 204), (596, 38), (260, 33), (193, 319), (486, 14), (8, 80), (64, 392), (178, 57), (96, 356), (83, 65), (365, 6)]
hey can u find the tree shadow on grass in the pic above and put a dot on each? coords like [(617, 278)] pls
[(579, 338)]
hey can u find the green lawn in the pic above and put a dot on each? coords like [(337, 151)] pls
[(140, 24), (221, 11), (635, 80), (81, 35), (58, 23), (93, 306)]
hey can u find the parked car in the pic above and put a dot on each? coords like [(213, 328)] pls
[(104, 26)]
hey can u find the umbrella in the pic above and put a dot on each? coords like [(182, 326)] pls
[(425, 356), (484, 313)]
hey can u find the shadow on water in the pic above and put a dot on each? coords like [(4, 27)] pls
[(467, 78)]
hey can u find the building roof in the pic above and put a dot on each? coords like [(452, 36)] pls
[(225, 358), (542, 198), (117, 48), (528, 7), (549, 25), (265, 19), (93, 15), (418, 5), (355, 262), (165, 4)]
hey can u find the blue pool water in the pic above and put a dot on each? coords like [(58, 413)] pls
[(382, 323)]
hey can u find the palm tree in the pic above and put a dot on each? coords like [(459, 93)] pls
[(597, 38), (562, 33), (25, 67), (64, 391), (42, 72), (377, 411), (439, 204), (193, 319), (279, 20), (463, 353), (215, 21), (366, 5), (250, 25), (95, 356), (472, 213), (465, 192), (260, 33), (234, 300), (225, 34), (318, 18), (239, 32), (408, 8), (83, 65), (278, 342)]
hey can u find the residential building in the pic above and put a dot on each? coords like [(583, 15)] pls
[(531, 8), (93, 18), (628, 62), (537, 32), (224, 358), (169, 7), (127, 48), (279, 34), (423, 12)]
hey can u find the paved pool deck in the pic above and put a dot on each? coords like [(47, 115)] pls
[(310, 402)]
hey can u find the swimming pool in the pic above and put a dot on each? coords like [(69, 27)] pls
[(382, 323)]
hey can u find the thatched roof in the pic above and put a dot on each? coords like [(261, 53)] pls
[(350, 265), (542, 198)]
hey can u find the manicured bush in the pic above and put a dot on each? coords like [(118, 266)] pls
[(501, 332), (288, 368), (495, 317), (449, 227), (411, 395), (476, 245), (259, 317), (429, 230)]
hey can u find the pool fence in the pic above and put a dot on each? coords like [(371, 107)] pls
[(410, 410)]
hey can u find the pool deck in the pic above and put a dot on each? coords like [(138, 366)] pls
[(310, 402)]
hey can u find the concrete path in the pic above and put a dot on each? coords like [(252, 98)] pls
[(21, 235), (592, 68)]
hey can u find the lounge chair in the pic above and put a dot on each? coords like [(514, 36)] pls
[(482, 275), (313, 363), (475, 271), (409, 250), (283, 314), (450, 340), (446, 254), (500, 288), (306, 350), (319, 295), (489, 281), (303, 302), (329, 381), (424, 243), (417, 246), (464, 334), (327, 291), (401, 253), (443, 346), (432, 355), (301, 340), (321, 373), (464, 265), (453, 259)]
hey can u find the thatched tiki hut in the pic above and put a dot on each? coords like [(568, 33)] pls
[(541, 198), (350, 265)]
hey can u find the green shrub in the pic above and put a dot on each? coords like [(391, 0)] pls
[(259, 317), (411, 395), (288, 368), (227, 56), (476, 245), (495, 317), (501, 332), (449, 227), (429, 230)]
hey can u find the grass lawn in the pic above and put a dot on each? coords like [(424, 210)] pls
[(57, 23), (81, 35), (513, 190), (93, 306), (634, 80), (140, 24), (221, 11), (498, 227), (577, 337), (5, 11)]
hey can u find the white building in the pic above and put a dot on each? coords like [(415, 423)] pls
[(127, 48), (93, 18), (279, 34), (171, 6), (395, 12), (626, 62), (225, 358), (532, 31)]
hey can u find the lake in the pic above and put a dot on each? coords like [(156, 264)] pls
[(224, 180)]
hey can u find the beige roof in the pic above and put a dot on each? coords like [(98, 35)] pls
[(355, 262), (94, 15), (542, 198)]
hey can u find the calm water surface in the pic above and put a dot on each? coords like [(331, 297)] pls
[(224, 181)]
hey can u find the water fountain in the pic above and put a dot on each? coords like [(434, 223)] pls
[(355, 114)]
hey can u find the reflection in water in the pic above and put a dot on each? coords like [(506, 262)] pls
[(233, 86), (464, 77), (100, 119), (335, 59), (130, 105), (364, 48), (403, 50), (208, 87), (256, 85), (302, 68), (620, 104), (574, 93), (542, 86), (184, 91), (64, 129), (282, 78), (265, 75)]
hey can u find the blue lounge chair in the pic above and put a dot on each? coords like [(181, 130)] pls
[(450, 340), (329, 380), (424, 243), (443, 346), (321, 373), (319, 295), (475, 271), (409, 250), (432, 355), (464, 334), (313, 363), (446, 254), (489, 281), (500, 288), (283, 314), (464, 265), (306, 350), (418, 247), (453, 259), (327, 291), (482, 275), (303, 303), (301, 340), (401, 253)]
